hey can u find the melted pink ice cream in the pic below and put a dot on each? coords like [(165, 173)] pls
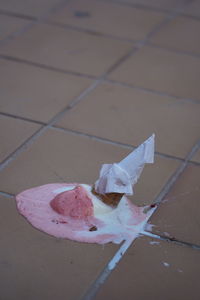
[(71, 211), (74, 203)]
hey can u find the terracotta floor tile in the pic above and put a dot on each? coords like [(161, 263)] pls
[(178, 216), (193, 8), (196, 157), (31, 7), (67, 49), (36, 93), (37, 266), (129, 116), (161, 4), (181, 34), (58, 156), (161, 70), (9, 25), (109, 18), (13, 133), (154, 271)]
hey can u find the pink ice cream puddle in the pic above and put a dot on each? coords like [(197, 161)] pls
[(71, 211), (74, 203)]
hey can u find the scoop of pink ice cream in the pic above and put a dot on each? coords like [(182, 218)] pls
[(74, 203)]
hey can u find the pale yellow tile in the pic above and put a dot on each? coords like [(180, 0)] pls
[(36, 93), (180, 34), (162, 70)]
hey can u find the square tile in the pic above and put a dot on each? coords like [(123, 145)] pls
[(9, 25), (109, 18), (129, 116), (178, 216), (59, 156), (43, 267), (67, 49), (13, 133), (31, 7), (154, 271), (161, 70), (193, 8), (181, 34), (36, 93)]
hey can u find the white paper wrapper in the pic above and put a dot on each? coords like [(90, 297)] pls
[(120, 177)]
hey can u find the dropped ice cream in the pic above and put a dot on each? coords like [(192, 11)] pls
[(73, 211)]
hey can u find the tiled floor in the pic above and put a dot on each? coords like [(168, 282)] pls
[(82, 83)]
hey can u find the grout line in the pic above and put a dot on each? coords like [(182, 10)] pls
[(89, 31), (96, 33), (171, 240), (107, 270), (33, 21), (17, 15), (22, 118), (99, 139), (176, 51), (17, 33), (43, 129), (115, 143), (22, 147), (176, 174), (148, 90), (46, 67)]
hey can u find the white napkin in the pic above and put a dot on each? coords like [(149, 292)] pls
[(120, 177)]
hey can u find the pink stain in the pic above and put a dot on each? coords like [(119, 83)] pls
[(70, 214)]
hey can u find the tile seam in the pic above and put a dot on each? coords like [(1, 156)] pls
[(173, 50), (106, 80), (45, 67), (172, 180), (121, 38), (90, 31), (28, 142), (91, 136), (170, 240), (17, 15), (33, 22), (22, 118), (148, 90), (108, 141)]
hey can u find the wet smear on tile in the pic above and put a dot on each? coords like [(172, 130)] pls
[(82, 14)]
